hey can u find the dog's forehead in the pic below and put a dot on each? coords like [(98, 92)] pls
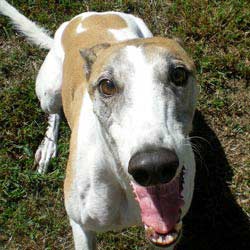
[(154, 51)]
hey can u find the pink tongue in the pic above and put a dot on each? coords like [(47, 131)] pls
[(159, 205)]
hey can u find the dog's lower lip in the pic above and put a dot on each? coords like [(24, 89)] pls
[(163, 240)]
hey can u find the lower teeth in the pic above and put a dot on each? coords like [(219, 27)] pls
[(163, 239)]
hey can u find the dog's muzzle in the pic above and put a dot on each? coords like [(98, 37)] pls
[(158, 190)]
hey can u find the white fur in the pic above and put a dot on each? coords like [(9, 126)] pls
[(32, 31), (48, 147), (80, 28), (49, 78), (144, 118), (82, 239), (189, 175), (98, 180), (123, 34)]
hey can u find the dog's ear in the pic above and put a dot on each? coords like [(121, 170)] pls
[(90, 54)]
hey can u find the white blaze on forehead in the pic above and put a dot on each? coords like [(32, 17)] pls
[(141, 77), (147, 118), (143, 116), (145, 93), (133, 127)]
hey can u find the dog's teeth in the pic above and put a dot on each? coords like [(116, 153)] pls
[(159, 240), (165, 240), (154, 240), (174, 235), (169, 239)]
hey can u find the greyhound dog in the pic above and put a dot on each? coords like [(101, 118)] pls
[(129, 99)]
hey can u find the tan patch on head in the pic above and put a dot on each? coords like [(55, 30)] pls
[(172, 47)]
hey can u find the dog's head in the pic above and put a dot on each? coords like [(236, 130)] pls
[(144, 94)]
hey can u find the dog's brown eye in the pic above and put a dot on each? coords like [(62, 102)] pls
[(179, 76), (107, 87)]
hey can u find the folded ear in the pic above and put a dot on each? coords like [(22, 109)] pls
[(90, 54)]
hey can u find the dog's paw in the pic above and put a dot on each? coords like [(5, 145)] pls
[(45, 152)]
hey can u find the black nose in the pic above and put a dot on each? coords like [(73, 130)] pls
[(153, 167)]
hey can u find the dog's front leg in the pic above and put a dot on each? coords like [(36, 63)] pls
[(48, 147), (83, 239)]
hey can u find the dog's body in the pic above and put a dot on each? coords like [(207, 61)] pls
[(144, 110)]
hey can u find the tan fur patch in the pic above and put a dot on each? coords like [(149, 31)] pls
[(172, 47), (108, 21)]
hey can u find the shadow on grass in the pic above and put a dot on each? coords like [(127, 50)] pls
[(215, 221)]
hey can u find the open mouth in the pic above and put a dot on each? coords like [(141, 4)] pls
[(161, 210)]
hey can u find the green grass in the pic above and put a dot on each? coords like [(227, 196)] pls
[(216, 34)]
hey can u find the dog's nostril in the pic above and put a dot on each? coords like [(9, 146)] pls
[(142, 177), (166, 174)]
